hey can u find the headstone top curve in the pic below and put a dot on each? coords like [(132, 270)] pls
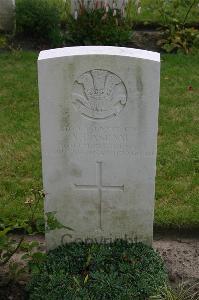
[(99, 50)]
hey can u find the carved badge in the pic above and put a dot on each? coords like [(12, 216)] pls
[(99, 94)]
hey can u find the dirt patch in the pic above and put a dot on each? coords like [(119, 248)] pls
[(146, 40), (13, 291), (12, 281), (181, 258)]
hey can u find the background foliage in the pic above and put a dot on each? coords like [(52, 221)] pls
[(96, 27), (50, 22), (39, 19)]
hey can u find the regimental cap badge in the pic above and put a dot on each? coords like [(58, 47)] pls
[(99, 94)]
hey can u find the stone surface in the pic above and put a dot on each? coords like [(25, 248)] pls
[(7, 15), (99, 121)]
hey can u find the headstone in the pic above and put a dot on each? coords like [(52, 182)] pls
[(7, 8), (99, 121)]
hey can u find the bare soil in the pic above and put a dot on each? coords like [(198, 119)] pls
[(181, 257), (147, 39)]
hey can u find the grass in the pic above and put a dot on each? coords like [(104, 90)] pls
[(177, 204), (150, 15), (177, 164), (20, 167)]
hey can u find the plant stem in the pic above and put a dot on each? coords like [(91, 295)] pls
[(37, 199), (12, 252), (188, 11)]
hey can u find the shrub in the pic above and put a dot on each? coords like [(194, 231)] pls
[(98, 271), (98, 26), (176, 36), (39, 19), (184, 40)]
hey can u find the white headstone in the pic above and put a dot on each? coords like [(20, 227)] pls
[(7, 15), (99, 121)]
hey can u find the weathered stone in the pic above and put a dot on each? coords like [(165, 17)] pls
[(99, 120), (7, 15)]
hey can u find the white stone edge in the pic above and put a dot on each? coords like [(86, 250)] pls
[(98, 50)]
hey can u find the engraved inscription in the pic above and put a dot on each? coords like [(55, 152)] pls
[(100, 140), (100, 188), (99, 94)]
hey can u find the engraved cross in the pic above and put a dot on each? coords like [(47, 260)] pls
[(100, 188)]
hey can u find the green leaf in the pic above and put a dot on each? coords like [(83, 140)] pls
[(86, 279), (4, 232), (25, 256), (52, 223)]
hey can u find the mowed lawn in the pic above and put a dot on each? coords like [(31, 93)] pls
[(177, 203)]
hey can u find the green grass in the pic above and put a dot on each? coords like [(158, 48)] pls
[(177, 183), (177, 204), (20, 167), (149, 13)]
